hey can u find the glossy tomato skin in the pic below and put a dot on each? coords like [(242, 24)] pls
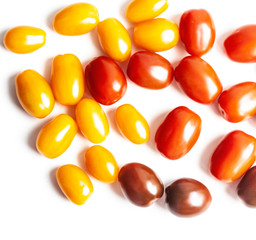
[(198, 80), (241, 44), (178, 133), (197, 31), (105, 80), (150, 70), (238, 102), (234, 155)]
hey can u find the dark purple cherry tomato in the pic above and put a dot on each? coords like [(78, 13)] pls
[(246, 189), (178, 133), (198, 80), (187, 197), (197, 31), (233, 156), (150, 70), (140, 184), (238, 102), (241, 44), (105, 80)]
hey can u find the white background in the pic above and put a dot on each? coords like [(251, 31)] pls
[(31, 204)]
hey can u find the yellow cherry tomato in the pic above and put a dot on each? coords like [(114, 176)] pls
[(132, 124), (67, 79), (156, 34), (24, 39), (92, 120), (56, 136), (141, 10), (114, 39), (101, 164), (74, 183), (76, 19), (34, 93)]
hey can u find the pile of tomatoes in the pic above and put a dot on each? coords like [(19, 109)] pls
[(106, 82)]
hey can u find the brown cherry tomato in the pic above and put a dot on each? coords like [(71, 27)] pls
[(140, 184), (198, 80), (238, 102), (233, 156), (105, 80), (150, 70), (178, 133), (187, 197), (197, 31), (246, 189), (241, 44)]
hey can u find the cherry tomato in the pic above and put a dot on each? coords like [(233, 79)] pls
[(241, 44), (246, 189), (67, 79), (74, 183), (147, 9), (92, 120), (233, 156), (101, 164), (140, 184), (24, 39), (132, 124), (114, 39), (56, 136), (178, 133), (187, 197), (105, 80), (76, 19), (198, 80), (156, 34), (238, 102), (197, 31), (150, 70), (34, 93)]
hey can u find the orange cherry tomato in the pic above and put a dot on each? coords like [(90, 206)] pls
[(132, 124), (238, 102), (101, 164), (114, 39), (178, 133), (233, 156), (141, 10), (56, 136), (24, 39), (241, 44), (67, 79), (74, 183), (34, 93), (156, 34), (197, 31), (198, 79), (76, 19)]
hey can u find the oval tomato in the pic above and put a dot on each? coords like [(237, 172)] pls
[(198, 79), (197, 31), (105, 80), (150, 70), (241, 44), (178, 133), (238, 102), (233, 156)]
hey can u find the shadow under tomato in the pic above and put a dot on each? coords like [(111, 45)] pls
[(47, 70), (231, 188), (115, 187), (2, 34), (12, 91), (220, 42), (112, 122), (81, 160), (54, 182), (50, 18)]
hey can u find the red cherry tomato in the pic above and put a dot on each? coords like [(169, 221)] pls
[(197, 31), (233, 156), (241, 44), (238, 102), (150, 70), (105, 80), (198, 79), (178, 133)]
